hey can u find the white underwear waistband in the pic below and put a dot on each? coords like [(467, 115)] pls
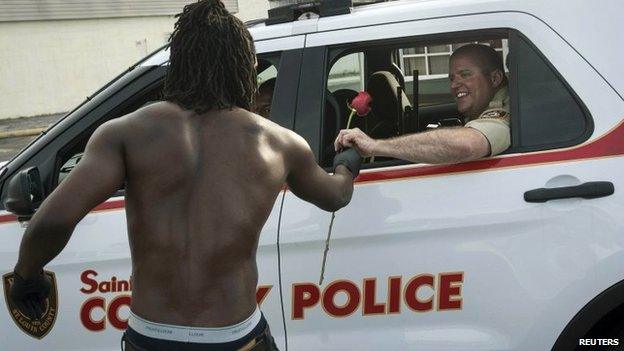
[(194, 334)]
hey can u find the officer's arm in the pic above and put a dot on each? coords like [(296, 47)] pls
[(100, 173), (444, 145), (311, 183)]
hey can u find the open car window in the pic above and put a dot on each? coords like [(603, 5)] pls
[(388, 72)]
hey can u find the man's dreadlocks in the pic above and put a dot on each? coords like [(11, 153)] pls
[(212, 60)]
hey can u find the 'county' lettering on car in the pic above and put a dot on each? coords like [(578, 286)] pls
[(445, 295)]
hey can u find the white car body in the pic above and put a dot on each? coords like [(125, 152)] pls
[(444, 257)]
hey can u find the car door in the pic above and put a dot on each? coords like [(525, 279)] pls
[(286, 54), (93, 272), (441, 257)]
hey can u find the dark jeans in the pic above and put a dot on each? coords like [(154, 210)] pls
[(260, 335)]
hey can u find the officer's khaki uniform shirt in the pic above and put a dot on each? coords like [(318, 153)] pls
[(494, 122)]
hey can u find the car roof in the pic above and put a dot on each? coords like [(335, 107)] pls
[(379, 13), (562, 16)]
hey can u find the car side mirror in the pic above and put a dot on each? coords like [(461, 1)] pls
[(24, 193)]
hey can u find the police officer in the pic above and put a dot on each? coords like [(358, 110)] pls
[(479, 87)]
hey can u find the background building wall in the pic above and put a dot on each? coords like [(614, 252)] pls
[(29, 10), (252, 9), (50, 66)]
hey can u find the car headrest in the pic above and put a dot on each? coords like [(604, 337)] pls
[(382, 86)]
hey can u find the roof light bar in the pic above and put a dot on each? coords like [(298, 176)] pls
[(335, 7), (293, 11)]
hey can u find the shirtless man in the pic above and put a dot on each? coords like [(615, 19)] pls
[(201, 175)]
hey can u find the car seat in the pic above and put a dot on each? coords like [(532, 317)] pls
[(386, 117)]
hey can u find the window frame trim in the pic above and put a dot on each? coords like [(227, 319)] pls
[(516, 131)]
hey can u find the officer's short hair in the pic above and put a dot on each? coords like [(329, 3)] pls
[(489, 59)]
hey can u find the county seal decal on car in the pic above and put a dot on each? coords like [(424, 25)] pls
[(37, 328)]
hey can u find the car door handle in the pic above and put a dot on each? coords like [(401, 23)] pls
[(589, 190)]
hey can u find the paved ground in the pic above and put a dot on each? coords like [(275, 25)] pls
[(9, 147), (16, 133)]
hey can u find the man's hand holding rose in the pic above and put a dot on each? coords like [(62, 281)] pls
[(356, 139)]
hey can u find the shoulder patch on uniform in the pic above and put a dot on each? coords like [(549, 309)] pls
[(499, 114)]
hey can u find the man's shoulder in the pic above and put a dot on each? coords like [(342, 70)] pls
[(152, 110), (495, 113), (274, 130), (128, 126), (154, 114)]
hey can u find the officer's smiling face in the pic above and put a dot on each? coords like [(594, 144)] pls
[(471, 88)]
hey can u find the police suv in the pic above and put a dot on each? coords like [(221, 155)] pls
[(522, 251)]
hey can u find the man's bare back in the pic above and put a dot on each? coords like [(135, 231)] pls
[(199, 190)]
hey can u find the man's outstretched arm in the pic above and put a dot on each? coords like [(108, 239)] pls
[(97, 176), (311, 183), (444, 145)]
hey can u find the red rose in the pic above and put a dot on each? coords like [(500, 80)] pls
[(361, 103)]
